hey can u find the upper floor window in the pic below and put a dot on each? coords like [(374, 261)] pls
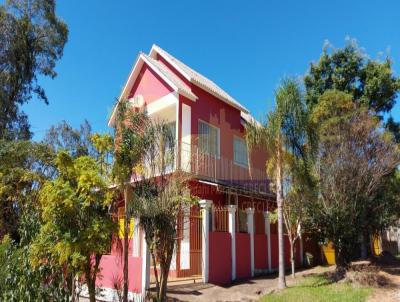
[(240, 156), (208, 139)]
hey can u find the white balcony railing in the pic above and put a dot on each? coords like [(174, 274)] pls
[(221, 170)]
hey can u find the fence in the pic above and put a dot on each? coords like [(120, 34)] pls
[(241, 221), (221, 170), (187, 259), (220, 219)]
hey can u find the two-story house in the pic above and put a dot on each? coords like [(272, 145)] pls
[(232, 237)]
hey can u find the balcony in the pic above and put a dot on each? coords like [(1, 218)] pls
[(221, 171)]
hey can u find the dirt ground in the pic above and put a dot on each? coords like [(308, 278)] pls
[(388, 289), (391, 290), (251, 290)]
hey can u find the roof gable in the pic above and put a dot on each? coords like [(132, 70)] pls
[(176, 82), (196, 78)]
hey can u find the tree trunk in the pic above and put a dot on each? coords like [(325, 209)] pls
[(155, 270), (90, 282), (292, 260), (363, 247), (92, 291), (342, 261), (127, 196), (73, 290), (165, 263), (162, 294), (279, 199)]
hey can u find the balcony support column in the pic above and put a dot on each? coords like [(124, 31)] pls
[(205, 214), (232, 231), (250, 230)]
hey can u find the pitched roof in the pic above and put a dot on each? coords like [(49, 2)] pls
[(196, 78), (183, 88), (174, 81)]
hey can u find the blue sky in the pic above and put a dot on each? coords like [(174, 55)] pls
[(244, 46)]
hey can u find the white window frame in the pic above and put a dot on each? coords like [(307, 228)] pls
[(235, 137), (218, 155)]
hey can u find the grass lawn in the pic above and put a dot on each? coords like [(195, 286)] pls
[(319, 289)]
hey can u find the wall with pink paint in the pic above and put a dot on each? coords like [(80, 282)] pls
[(243, 261), (150, 85), (111, 267), (111, 272), (220, 258), (260, 251), (274, 251)]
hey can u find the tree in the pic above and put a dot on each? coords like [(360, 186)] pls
[(32, 39), (355, 155), (78, 142), (368, 83), (371, 83), (77, 225), (286, 131), (300, 189), (24, 167), (161, 195), (130, 140), (20, 281)]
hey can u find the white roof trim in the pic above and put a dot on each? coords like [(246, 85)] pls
[(131, 80), (158, 50)]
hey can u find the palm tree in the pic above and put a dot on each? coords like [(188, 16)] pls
[(130, 141), (286, 131)]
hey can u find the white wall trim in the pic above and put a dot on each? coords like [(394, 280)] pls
[(145, 265), (186, 137), (162, 103)]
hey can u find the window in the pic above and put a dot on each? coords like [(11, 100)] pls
[(208, 139), (172, 135), (240, 152)]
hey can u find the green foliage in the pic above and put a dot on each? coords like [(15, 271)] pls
[(288, 128), (75, 216), (24, 167), (4, 248), (355, 159), (77, 226), (78, 142), (384, 210), (130, 141), (32, 39), (289, 140), (145, 152), (371, 83), (319, 289), (20, 281)]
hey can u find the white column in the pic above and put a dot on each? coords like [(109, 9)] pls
[(250, 230), (205, 214), (212, 219), (232, 231), (145, 265), (268, 233)]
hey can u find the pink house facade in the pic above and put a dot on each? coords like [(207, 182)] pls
[(228, 236)]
